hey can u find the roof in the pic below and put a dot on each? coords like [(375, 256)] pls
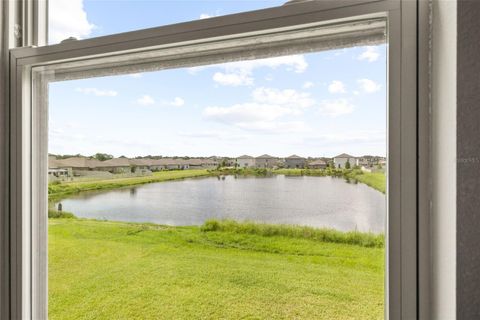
[(140, 162), (344, 155), (117, 162), (53, 163), (265, 156), (167, 161), (77, 162), (294, 156), (245, 157)]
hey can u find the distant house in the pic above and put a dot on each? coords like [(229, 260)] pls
[(246, 161), (265, 161), (77, 164), (317, 164), (169, 164), (295, 161), (341, 160), (209, 163), (140, 163), (369, 161), (55, 172), (116, 165)]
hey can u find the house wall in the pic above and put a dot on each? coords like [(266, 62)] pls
[(295, 163), (246, 162), (265, 163), (341, 162)]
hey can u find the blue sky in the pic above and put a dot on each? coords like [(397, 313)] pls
[(318, 104)]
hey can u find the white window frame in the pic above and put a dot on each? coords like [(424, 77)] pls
[(407, 233)]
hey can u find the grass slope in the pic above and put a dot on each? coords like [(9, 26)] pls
[(58, 191), (112, 270), (375, 180)]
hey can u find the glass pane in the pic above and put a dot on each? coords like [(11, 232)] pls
[(247, 189), (93, 18)]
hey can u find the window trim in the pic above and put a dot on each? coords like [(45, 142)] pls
[(405, 117)]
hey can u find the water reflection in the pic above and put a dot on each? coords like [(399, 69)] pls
[(313, 201)]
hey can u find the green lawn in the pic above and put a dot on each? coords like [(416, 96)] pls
[(112, 270), (376, 180), (57, 191)]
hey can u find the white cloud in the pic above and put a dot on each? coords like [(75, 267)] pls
[(67, 18), (336, 87), (265, 112), (335, 108), (206, 16), (288, 97), (136, 75), (308, 85), (369, 86), (233, 79), (178, 102), (370, 54), (247, 112), (241, 72), (275, 126), (97, 92), (145, 100)]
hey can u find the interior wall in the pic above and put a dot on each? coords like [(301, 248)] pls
[(468, 164), (443, 159)]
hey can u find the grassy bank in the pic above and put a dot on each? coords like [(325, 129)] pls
[(58, 191), (375, 180), (301, 232), (109, 270)]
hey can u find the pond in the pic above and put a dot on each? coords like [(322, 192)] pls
[(312, 201)]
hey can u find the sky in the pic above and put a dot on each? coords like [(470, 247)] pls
[(315, 104)]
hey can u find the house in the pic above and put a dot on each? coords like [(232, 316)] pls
[(209, 163), (295, 161), (341, 161), (142, 164), (116, 165), (369, 161), (265, 161), (317, 164), (198, 163), (55, 172), (169, 164), (77, 165), (246, 161)]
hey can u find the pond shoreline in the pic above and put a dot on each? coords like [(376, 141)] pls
[(319, 202), (57, 192)]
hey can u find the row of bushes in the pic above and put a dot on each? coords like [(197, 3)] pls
[(323, 235)]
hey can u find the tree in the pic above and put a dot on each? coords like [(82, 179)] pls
[(347, 164), (103, 156)]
